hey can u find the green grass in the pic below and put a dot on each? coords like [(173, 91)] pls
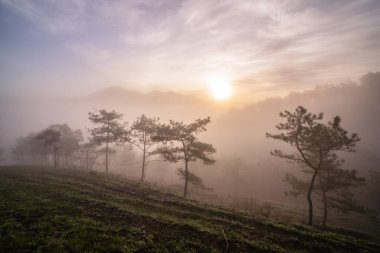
[(61, 210)]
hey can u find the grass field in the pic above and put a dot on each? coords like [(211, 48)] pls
[(62, 210)]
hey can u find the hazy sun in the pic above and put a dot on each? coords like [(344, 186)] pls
[(220, 88)]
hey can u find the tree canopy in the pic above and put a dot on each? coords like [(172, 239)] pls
[(314, 141), (140, 135), (51, 138), (109, 128), (181, 143), (61, 139)]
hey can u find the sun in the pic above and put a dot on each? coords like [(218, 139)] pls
[(220, 88)]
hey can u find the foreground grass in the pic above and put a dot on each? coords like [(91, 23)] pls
[(61, 210)]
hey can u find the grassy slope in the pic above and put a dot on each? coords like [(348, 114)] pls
[(60, 210)]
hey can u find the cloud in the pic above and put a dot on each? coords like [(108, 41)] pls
[(279, 44), (54, 16)]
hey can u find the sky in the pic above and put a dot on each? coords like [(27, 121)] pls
[(263, 48)]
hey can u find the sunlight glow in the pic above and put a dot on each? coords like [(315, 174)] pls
[(220, 87)]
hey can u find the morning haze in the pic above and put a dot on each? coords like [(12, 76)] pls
[(115, 115)]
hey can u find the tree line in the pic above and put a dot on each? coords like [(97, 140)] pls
[(317, 147), (174, 142)]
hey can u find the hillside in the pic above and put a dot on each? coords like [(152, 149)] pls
[(62, 210)]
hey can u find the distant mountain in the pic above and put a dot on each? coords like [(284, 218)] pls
[(116, 92), (121, 95), (19, 116)]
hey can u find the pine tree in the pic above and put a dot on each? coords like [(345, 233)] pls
[(109, 129), (314, 142), (140, 135), (334, 186), (51, 138), (182, 144)]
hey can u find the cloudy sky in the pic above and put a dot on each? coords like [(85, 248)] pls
[(70, 47)]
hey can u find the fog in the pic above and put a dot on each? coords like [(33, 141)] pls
[(244, 168), (253, 124)]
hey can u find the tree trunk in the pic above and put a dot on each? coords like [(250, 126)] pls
[(143, 169), (143, 162), (186, 158), (93, 162), (107, 140), (87, 159), (309, 200), (55, 158), (186, 179), (324, 189), (107, 156), (324, 210)]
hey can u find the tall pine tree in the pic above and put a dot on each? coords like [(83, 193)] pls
[(314, 142)]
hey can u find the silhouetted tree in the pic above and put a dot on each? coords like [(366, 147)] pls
[(333, 185), (193, 179), (140, 135), (28, 147), (371, 79), (181, 143), (62, 139), (89, 151), (314, 142), (51, 138), (109, 129), (69, 141)]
